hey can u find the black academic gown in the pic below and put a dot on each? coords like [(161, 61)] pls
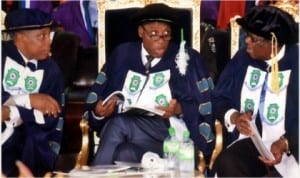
[(35, 144), (192, 91), (227, 92)]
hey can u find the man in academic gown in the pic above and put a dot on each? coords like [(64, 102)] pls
[(260, 85), (32, 95), (126, 137)]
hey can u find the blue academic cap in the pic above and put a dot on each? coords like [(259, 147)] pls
[(27, 19)]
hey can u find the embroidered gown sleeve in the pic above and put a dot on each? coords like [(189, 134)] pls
[(104, 85), (193, 93)]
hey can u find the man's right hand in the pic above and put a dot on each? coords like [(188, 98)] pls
[(45, 103), (106, 109), (241, 121), (5, 113)]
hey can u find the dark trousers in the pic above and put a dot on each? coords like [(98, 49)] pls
[(128, 137), (11, 152), (23, 147), (240, 160)]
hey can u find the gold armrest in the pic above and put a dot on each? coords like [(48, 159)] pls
[(218, 148), (218, 144), (290, 6), (83, 155), (235, 35), (202, 164)]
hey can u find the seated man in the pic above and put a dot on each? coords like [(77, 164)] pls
[(260, 85), (32, 94), (126, 137)]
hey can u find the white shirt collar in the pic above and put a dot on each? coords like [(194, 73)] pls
[(279, 56), (144, 53), (33, 61)]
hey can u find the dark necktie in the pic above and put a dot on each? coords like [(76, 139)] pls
[(3, 127), (261, 104), (31, 66), (258, 124), (148, 64)]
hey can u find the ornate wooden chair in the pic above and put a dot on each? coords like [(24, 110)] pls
[(235, 35), (290, 6), (4, 36), (112, 10), (111, 32)]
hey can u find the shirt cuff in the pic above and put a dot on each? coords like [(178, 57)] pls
[(227, 120), (14, 115), (23, 100), (96, 117)]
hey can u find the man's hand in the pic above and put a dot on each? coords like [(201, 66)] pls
[(45, 103), (24, 171), (277, 148), (106, 109), (241, 122), (5, 113), (173, 109)]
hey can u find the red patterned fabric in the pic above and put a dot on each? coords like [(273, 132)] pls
[(228, 9)]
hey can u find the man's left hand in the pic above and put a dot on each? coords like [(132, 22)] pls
[(277, 148), (173, 109)]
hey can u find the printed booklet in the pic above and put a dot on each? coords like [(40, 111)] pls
[(142, 94)]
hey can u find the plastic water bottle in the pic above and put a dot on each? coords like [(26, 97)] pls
[(186, 154), (170, 148)]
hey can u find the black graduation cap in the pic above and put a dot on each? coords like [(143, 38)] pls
[(156, 12), (262, 20), (27, 19)]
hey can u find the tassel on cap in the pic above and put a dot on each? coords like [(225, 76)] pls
[(182, 57), (274, 66)]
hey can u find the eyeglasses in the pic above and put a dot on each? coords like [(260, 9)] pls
[(155, 37), (254, 38)]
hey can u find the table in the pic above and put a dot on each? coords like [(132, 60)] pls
[(114, 171)]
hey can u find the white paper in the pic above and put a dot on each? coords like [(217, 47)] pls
[(99, 169), (134, 108), (143, 110), (259, 144), (117, 94), (130, 164), (147, 96), (288, 167)]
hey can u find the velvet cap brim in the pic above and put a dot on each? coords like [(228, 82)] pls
[(262, 20), (27, 19)]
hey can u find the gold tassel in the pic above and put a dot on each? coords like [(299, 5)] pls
[(274, 66)]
